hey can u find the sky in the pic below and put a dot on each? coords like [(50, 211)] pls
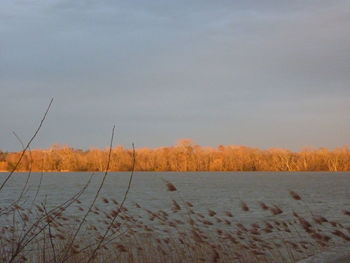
[(271, 73)]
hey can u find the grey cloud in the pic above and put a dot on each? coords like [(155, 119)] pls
[(247, 72)]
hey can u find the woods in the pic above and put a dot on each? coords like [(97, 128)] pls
[(182, 157)]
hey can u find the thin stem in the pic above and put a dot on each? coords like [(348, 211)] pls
[(27, 146)]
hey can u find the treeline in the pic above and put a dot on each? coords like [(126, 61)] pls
[(184, 156)]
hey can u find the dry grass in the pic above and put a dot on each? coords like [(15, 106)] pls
[(178, 234)]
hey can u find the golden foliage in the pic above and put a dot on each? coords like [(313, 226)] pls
[(184, 156)]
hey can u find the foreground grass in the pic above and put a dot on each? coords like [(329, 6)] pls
[(110, 232)]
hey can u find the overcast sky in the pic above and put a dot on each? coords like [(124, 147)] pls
[(246, 72)]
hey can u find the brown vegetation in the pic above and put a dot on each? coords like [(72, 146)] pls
[(184, 156), (177, 234)]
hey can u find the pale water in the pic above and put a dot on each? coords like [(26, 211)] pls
[(326, 194)]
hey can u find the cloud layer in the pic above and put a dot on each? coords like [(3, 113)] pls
[(259, 73)]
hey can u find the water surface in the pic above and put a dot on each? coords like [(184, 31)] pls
[(325, 193)]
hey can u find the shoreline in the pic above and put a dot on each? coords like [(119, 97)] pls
[(182, 172)]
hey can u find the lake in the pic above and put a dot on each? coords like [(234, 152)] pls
[(323, 193)]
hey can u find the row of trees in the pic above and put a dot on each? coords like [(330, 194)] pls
[(184, 156)]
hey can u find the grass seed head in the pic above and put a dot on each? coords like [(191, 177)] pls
[(170, 187)]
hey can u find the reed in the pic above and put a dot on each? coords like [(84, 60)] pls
[(178, 234)]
